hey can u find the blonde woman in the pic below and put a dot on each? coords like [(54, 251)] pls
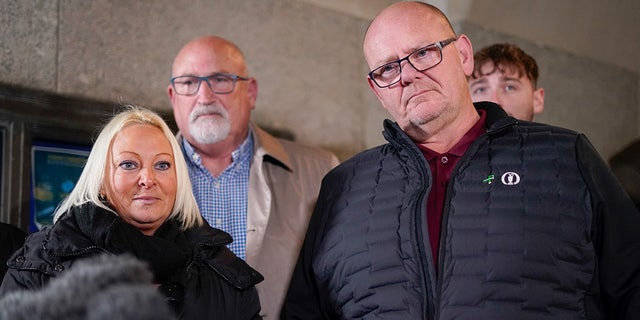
[(134, 197)]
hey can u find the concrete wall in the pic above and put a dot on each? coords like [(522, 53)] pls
[(307, 59), (306, 55)]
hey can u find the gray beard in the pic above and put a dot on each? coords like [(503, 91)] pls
[(209, 130)]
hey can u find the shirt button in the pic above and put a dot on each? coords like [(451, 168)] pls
[(218, 222), (217, 185), (444, 159)]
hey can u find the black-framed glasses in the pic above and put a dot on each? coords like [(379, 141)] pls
[(219, 83), (422, 59)]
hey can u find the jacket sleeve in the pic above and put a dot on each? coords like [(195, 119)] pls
[(11, 282), (22, 274), (18, 279), (303, 299), (616, 236)]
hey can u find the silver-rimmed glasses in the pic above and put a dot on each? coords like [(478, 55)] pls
[(422, 59), (219, 83)]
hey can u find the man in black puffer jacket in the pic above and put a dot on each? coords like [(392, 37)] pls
[(466, 213)]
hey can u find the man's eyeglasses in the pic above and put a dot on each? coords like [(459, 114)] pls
[(422, 59), (219, 83)]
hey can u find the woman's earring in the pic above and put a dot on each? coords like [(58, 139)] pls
[(103, 199)]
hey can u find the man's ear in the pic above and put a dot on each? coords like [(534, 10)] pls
[(538, 101), (252, 91), (465, 50), (170, 92)]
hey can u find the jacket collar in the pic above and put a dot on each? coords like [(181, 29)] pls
[(497, 118), (268, 147)]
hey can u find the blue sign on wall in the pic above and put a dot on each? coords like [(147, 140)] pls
[(55, 169)]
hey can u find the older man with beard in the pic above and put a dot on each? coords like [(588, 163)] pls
[(256, 187)]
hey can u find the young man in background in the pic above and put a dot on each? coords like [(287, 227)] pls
[(506, 75)]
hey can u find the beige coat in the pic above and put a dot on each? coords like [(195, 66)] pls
[(284, 182)]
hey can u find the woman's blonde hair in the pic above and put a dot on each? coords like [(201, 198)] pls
[(87, 189)]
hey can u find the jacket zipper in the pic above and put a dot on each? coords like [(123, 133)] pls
[(445, 214), (423, 258)]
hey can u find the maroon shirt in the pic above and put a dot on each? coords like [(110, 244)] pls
[(441, 167)]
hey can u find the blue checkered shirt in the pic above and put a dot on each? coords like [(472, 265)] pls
[(223, 200)]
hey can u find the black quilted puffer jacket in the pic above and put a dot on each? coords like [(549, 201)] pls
[(551, 236)]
